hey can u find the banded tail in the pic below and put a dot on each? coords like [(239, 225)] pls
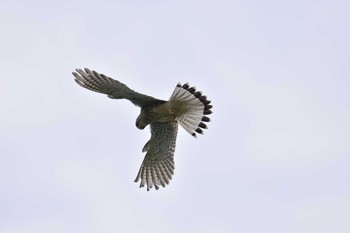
[(195, 108)]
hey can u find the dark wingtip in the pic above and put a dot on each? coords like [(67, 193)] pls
[(199, 130), (203, 126), (197, 94), (206, 102), (192, 90), (205, 119), (203, 98), (87, 70), (186, 86), (207, 107), (207, 112)]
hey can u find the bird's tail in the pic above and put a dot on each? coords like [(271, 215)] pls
[(191, 108)]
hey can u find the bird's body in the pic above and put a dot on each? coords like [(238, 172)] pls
[(186, 107)]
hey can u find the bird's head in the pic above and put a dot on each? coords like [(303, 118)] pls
[(141, 121)]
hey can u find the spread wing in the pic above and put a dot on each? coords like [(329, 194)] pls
[(158, 165), (114, 89)]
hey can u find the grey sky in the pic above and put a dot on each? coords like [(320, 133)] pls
[(275, 157)]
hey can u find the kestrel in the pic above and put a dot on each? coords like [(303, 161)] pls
[(186, 107)]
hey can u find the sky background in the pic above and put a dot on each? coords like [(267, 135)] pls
[(276, 155)]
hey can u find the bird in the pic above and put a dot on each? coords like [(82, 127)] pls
[(186, 107)]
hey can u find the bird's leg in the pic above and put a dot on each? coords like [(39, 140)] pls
[(146, 146)]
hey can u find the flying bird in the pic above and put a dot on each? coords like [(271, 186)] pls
[(186, 106)]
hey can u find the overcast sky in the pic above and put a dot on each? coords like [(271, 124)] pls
[(276, 155)]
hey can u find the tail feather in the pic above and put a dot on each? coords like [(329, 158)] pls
[(196, 107)]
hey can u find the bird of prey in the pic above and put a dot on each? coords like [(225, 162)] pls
[(186, 107)]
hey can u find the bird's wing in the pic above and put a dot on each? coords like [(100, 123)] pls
[(114, 89), (158, 165)]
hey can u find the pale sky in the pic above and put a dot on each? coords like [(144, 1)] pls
[(276, 155)]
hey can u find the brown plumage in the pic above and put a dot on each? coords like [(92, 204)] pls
[(186, 107)]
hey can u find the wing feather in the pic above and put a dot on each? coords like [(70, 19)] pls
[(158, 165), (114, 89)]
